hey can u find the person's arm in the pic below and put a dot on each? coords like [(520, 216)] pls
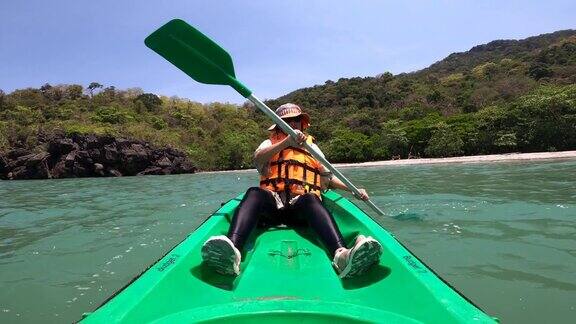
[(336, 183), (332, 182), (264, 155)]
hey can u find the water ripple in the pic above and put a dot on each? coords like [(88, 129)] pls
[(75, 241)]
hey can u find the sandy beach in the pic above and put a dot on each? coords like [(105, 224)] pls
[(509, 157), (467, 159)]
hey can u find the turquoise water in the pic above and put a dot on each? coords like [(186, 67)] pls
[(503, 234)]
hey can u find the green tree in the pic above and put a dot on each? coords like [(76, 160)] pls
[(362, 122), (540, 70), (485, 71), (412, 112), (491, 122), (23, 116), (435, 96), (546, 118), (111, 115), (393, 139), (444, 142), (385, 77), (27, 97), (73, 92), (506, 142), (236, 144), (2, 100), (45, 88), (452, 80), (157, 122), (109, 92), (93, 86), (348, 146), (419, 131), (466, 127), (150, 101)]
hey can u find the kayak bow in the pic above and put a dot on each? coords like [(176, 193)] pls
[(286, 275)]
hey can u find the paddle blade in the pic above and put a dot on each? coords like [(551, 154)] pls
[(195, 54)]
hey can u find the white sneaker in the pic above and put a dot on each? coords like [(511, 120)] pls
[(357, 260), (220, 253)]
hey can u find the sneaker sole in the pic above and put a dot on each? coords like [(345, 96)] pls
[(220, 256), (366, 255)]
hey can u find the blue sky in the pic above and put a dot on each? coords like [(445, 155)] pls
[(277, 46)]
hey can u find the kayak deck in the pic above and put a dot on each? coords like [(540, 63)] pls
[(286, 275)]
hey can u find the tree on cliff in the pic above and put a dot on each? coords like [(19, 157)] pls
[(93, 86)]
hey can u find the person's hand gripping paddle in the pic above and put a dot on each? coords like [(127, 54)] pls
[(206, 62)]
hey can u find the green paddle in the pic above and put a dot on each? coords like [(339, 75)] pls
[(206, 62)]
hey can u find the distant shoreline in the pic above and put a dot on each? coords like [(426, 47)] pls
[(508, 157), (467, 159)]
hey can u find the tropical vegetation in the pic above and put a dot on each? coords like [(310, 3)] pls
[(504, 96)]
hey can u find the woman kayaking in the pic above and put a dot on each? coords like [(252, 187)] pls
[(291, 182)]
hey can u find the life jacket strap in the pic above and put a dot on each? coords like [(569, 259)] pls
[(289, 182), (293, 162)]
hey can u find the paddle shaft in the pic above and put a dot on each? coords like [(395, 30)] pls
[(205, 61), (285, 127)]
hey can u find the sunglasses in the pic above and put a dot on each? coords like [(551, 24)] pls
[(292, 119)]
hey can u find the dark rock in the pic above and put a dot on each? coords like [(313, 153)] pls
[(35, 159), (186, 167), (83, 157), (16, 153), (80, 170), (42, 171), (30, 166), (106, 140), (123, 143), (61, 146), (23, 159), (164, 162), (110, 154), (153, 170), (139, 148), (95, 154), (69, 159), (44, 137), (92, 142), (3, 164), (61, 171), (18, 173), (134, 158), (91, 155), (99, 169), (114, 173)]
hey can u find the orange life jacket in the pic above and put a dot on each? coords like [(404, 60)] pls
[(292, 170)]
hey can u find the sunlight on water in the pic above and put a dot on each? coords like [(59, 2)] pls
[(502, 234)]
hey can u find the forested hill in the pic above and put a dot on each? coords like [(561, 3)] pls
[(501, 70), (537, 49), (505, 96)]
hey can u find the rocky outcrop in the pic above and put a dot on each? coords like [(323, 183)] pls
[(91, 156)]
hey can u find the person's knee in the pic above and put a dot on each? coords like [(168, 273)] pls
[(253, 189), (310, 198), (256, 192)]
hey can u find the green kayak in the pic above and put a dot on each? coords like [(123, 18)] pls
[(286, 276)]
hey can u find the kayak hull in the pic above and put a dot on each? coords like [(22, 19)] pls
[(286, 276)]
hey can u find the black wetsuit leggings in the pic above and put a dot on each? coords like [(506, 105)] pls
[(259, 202)]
